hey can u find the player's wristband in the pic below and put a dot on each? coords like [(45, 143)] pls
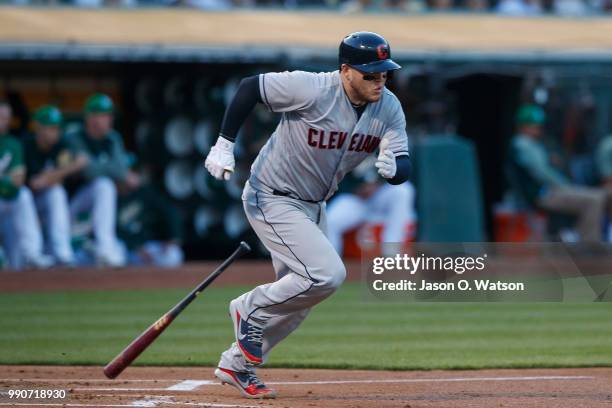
[(224, 144), (403, 171)]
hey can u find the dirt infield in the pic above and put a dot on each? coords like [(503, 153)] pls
[(196, 387), (240, 273)]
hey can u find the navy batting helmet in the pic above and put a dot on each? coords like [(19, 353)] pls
[(367, 52)]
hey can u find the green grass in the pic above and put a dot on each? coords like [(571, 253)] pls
[(345, 331)]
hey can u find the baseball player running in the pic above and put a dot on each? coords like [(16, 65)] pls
[(331, 122)]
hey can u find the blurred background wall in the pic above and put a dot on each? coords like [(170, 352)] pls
[(171, 71)]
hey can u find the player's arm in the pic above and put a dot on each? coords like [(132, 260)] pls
[(393, 161), (403, 170), (15, 178), (50, 177), (11, 181), (14, 175), (115, 166), (220, 161), (535, 161), (394, 169)]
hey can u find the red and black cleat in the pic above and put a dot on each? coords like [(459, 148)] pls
[(249, 335), (247, 383)]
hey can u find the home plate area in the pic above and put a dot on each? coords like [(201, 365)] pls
[(196, 387)]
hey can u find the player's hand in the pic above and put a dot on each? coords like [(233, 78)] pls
[(385, 163), (220, 160)]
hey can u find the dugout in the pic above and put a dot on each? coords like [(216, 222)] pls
[(171, 72)]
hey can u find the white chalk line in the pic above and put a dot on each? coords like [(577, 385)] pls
[(340, 382), (162, 402), (167, 399), (129, 389), (151, 401), (421, 380), (189, 385)]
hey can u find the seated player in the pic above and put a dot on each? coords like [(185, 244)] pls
[(96, 190), (49, 162), (544, 186), (19, 227)]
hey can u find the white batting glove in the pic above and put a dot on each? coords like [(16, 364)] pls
[(220, 160), (385, 163)]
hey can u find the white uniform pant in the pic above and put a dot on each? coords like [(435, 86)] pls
[(21, 234), (52, 205), (391, 205), (307, 267), (158, 253), (100, 197)]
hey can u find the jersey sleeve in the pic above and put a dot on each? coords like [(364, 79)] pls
[(17, 164), (396, 132), (287, 91)]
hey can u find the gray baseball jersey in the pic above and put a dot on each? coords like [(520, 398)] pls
[(320, 138)]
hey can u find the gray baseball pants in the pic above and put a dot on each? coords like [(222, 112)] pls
[(308, 268)]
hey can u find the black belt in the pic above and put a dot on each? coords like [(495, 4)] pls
[(286, 194)]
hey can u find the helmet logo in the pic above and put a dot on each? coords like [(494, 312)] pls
[(382, 51)]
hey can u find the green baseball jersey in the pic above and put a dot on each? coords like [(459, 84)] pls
[(107, 156), (534, 158), (37, 160), (144, 215), (11, 159)]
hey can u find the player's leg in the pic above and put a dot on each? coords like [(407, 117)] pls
[(276, 329), (27, 228), (100, 196), (166, 255), (279, 327), (289, 229), (588, 204), (53, 203), (7, 234), (344, 213), (235, 370)]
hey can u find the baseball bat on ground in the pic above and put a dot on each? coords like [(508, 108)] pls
[(125, 358)]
